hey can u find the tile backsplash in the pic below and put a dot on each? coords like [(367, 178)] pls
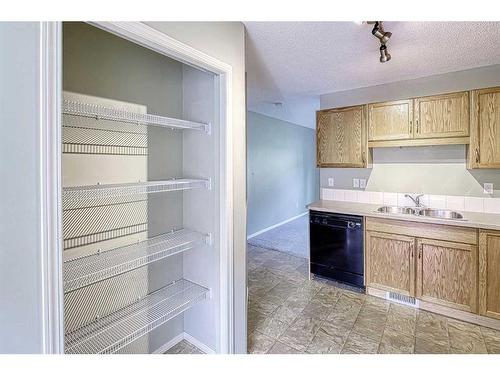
[(450, 202)]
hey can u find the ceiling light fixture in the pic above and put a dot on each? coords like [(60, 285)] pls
[(384, 36)]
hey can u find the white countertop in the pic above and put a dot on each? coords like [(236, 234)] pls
[(471, 219)]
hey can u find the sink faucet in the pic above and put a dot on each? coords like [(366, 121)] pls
[(416, 199)]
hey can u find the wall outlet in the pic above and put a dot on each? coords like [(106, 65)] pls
[(330, 182), (362, 183), (488, 188), (355, 183)]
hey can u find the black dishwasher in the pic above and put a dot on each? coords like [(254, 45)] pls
[(337, 247)]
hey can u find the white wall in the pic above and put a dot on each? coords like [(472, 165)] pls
[(415, 169), (21, 323), (226, 42)]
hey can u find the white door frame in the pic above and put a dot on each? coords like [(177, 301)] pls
[(50, 92)]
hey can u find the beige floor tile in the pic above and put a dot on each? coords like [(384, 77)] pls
[(329, 339), (318, 308), (432, 327), (280, 348), (360, 344), (370, 322), (465, 338), (423, 346), (402, 319), (301, 332), (394, 342), (376, 302), (323, 343), (491, 339), (259, 343)]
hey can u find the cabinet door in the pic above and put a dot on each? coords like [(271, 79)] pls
[(341, 137), (442, 116), (447, 274), (390, 120), (489, 274), (390, 262), (485, 128)]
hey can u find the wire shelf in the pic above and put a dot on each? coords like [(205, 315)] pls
[(93, 194), (84, 271), (113, 332), (101, 112)]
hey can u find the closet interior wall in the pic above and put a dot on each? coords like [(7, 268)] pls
[(113, 71)]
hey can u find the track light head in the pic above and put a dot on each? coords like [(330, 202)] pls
[(379, 32), (384, 54)]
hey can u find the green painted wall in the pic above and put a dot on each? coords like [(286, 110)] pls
[(282, 177)]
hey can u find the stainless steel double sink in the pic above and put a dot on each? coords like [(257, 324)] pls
[(420, 211)]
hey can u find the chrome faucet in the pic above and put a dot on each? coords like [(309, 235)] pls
[(416, 199)]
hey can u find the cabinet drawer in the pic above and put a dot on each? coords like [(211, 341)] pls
[(423, 230)]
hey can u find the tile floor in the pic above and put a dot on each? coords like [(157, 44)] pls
[(287, 313), (183, 347)]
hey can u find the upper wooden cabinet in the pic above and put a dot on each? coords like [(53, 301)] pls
[(341, 137), (489, 275), (430, 120), (442, 116), (484, 150), (390, 120)]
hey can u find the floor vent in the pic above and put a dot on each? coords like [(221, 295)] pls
[(402, 299)]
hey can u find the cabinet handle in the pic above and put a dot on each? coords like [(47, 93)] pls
[(411, 125), (417, 126), (420, 253), (411, 251), (477, 155), (363, 158)]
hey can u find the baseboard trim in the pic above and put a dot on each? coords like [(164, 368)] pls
[(447, 311), (275, 225), (184, 336), (204, 348), (177, 339)]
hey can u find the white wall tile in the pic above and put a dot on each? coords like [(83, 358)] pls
[(391, 199), (363, 196), (455, 202), (350, 196), (424, 200), (338, 195), (492, 205), (376, 197), (327, 194), (437, 201), (473, 204), (405, 201)]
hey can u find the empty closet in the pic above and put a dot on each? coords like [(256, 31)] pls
[(140, 198)]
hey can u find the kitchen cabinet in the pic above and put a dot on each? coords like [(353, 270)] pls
[(390, 120), (442, 116), (341, 137), (489, 273), (484, 150), (435, 263), (447, 273), (389, 260)]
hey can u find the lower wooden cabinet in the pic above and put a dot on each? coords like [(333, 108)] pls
[(489, 273), (447, 274), (390, 265), (437, 264)]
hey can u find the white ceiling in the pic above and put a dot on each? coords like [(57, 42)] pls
[(294, 62)]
